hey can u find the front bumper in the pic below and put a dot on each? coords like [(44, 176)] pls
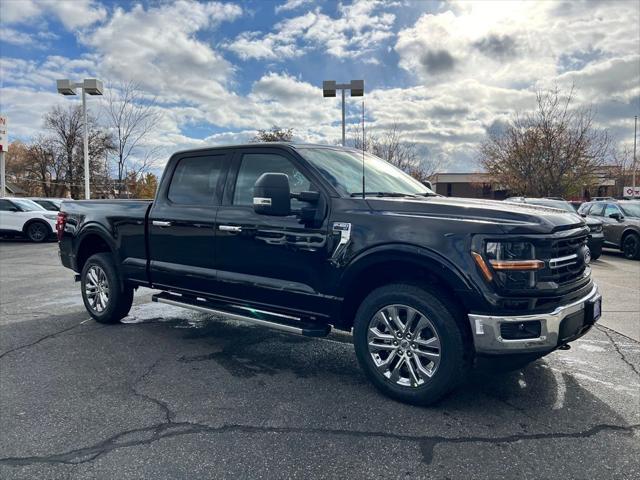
[(488, 339)]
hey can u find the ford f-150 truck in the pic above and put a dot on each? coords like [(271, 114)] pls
[(305, 238)]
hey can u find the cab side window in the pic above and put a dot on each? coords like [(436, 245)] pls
[(253, 165), (195, 180)]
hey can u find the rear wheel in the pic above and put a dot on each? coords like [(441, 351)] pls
[(38, 231), (409, 344), (631, 246), (104, 297)]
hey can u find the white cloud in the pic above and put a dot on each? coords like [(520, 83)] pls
[(291, 5), (15, 37), (158, 48), (489, 57), (72, 13), (358, 29)]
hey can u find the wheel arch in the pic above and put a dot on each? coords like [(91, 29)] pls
[(403, 263), (92, 240), (628, 231)]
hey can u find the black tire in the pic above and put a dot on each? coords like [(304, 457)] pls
[(631, 246), (596, 253), (452, 367), (118, 299), (37, 231)]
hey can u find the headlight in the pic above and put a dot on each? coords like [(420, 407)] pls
[(511, 264), (596, 228), (50, 216)]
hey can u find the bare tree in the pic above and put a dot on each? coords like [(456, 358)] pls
[(131, 118), (275, 134), (65, 142), (391, 146), (620, 168), (551, 151), (65, 126)]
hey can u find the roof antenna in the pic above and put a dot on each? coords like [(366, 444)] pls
[(363, 140)]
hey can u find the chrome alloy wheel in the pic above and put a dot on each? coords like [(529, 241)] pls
[(404, 345), (97, 288)]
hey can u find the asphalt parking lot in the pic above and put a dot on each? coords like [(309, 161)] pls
[(177, 394)]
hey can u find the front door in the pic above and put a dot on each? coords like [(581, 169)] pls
[(266, 260), (613, 228), (182, 223)]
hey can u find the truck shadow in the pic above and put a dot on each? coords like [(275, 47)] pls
[(533, 392)]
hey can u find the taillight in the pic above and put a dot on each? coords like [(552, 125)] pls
[(60, 223)]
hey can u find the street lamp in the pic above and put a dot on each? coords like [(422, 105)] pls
[(329, 88), (92, 87)]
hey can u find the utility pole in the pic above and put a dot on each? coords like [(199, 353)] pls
[(635, 136), (4, 145)]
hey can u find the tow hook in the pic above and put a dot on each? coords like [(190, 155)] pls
[(566, 346)]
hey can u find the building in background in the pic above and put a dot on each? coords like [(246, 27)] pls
[(469, 185)]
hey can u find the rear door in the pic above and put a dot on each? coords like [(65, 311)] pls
[(266, 260), (182, 220)]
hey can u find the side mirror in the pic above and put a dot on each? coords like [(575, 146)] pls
[(616, 216), (272, 195), (428, 184)]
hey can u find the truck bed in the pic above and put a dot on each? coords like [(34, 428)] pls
[(125, 224)]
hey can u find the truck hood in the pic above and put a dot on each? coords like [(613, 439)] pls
[(505, 217)]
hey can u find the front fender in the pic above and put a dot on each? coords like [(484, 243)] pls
[(432, 261)]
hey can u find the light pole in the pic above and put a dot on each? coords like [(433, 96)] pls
[(329, 88), (92, 87), (635, 136)]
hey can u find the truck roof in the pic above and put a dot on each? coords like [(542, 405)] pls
[(264, 144)]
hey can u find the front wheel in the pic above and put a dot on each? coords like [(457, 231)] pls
[(104, 297), (631, 246), (409, 344), (38, 231)]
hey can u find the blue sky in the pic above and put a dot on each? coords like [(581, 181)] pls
[(445, 73)]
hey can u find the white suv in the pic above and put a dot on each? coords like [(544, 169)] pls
[(23, 217)]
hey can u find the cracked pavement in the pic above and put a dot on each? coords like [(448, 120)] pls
[(176, 394)]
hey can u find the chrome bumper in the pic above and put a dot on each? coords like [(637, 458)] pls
[(488, 340)]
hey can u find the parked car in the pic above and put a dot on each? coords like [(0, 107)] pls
[(596, 235), (294, 238), (51, 204), (25, 218), (621, 222), (576, 204)]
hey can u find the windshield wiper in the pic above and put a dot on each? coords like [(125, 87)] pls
[(383, 194)]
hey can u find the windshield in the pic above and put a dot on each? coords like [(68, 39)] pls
[(27, 205), (630, 209), (561, 204), (343, 169)]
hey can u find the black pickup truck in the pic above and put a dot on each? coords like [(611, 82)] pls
[(304, 238)]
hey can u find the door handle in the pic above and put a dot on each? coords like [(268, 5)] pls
[(161, 223), (229, 228)]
